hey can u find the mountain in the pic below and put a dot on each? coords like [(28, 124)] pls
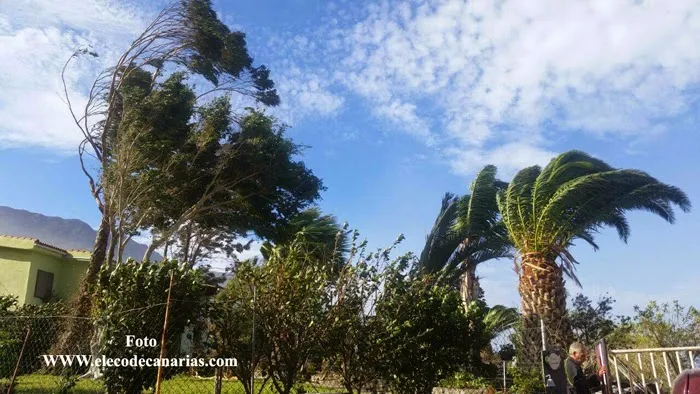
[(57, 231)]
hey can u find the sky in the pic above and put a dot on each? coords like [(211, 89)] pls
[(402, 101)]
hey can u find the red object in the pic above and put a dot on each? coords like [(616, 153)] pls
[(688, 382)]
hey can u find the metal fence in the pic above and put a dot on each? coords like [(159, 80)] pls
[(31, 363), (651, 370)]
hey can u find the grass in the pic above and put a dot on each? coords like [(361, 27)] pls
[(49, 384)]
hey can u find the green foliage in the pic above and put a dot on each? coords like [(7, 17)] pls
[(231, 321), (591, 323), (327, 239), (15, 319), (215, 50), (465, 380), (176, 161), (131, 300), (659, 325), (545, 210), (499, 319), (466, 233), (527, 381), (573, 197), (442, 240), (426, 334), (294, 306), (355, 334)]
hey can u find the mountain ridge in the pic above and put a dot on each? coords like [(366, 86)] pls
[(57, 231)]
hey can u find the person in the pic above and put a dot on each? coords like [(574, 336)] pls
[(576, 381)]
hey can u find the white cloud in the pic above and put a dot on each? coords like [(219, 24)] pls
[(508, 157), (480, 80), (497, 72), (304, 95), (36, 39)]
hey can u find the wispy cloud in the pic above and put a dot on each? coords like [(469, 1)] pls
[(36, 39), (480, 81), (489, 78)]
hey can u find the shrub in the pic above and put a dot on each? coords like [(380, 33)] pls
[(131, 301), (527, 381), (426, 334), (465, 380), (14, 321)]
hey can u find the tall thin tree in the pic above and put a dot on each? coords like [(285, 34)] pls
[(186, 35)]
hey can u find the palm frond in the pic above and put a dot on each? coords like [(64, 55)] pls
[(478, 213), (441, 242), (514, 204), (500, 318), (575, 196)]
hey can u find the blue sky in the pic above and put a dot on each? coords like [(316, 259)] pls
[(402, 101)]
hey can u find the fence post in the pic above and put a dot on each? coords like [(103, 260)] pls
[(19, 360), (252, 352), (544, 335), (505, 389), (162, 337), (218, 377)]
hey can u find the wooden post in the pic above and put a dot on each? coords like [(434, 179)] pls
[(218, 372), (162, 337), (19, 360)]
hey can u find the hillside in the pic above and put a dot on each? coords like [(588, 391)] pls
[(57, 231)]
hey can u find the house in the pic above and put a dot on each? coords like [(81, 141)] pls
[(35, 272)]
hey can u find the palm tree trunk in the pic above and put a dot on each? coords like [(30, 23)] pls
[(469, 286), (543, 296)]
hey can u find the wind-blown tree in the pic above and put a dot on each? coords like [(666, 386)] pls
[(546, 210), (170, 153), (466, 233), (326, 238), (442, 241), (484, 236)]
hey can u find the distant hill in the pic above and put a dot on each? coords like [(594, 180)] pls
[(57, 231)]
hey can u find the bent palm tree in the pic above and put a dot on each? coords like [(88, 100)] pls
[(546, 210), (327, 238), (466, 233), (484, 236), (442, 241)]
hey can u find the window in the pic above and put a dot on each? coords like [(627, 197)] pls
[(44, 285)]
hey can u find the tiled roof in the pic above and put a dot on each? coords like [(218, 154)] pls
[(79, 250), (43, 244)]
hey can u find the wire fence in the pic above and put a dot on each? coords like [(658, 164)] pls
[(31, 361)]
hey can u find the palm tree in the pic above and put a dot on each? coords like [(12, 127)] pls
[(442, 241), (484, 236), (328, 239), (466, 233), (572, 198)]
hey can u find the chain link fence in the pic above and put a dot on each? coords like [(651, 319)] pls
[(31, 363)]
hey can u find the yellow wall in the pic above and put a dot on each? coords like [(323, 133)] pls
[(14, 272), (20, 261)]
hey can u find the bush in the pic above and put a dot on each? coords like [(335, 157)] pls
[(465, 380), (131, 300), (14, 321), (527, 381), (426, 334)]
